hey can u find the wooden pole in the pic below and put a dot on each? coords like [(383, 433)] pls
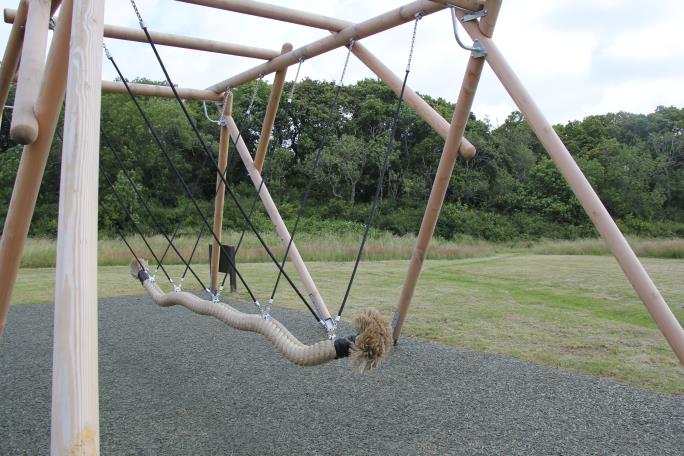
[(422, 108), (10, 60), (24, 126), (358, 31), (150, 90), (75, 425), (167, 39), (295, 16), (277, 220), (32, 164), (586, 195), (224, 144), (439, 189), (488, 21), (271, 110)]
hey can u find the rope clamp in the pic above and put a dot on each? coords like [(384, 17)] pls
[(266, 310), (330, 326)]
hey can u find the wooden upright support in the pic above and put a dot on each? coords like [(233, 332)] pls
[(224, 143), (75, 401), (32, 164), (24, 126), (10, 59), (628, 261), (271, 110)]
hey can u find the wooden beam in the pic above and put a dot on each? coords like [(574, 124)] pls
[(271, 110), (628, 261), (151, 90), (186, 42), (276, 219), (224, 144), (32, 164), (412, 99), (294, 16), (24, 126), (358, 31), (75, 425), (488, 21), (10, 60)]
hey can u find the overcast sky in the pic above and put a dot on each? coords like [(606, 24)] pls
[(576, 57)]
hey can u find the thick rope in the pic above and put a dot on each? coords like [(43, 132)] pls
[(367, 349)]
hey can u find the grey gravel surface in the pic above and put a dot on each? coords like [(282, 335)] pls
[(175, 383)]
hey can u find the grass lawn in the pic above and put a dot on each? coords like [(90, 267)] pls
[(575, 312)]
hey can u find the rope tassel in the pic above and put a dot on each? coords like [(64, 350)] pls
[(367, 350)]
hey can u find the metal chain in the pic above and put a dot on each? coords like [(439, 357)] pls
[(294, 82), (419, 16), (254, 94), (137, 13), (346, 61)]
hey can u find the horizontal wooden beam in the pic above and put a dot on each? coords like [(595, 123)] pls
[(294, 16), (167, 39), (358, 31), (150, 90)]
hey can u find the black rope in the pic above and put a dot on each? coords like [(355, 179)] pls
[(151, 215), (376, 198), (307, 189), (220, 174), (135, 225), (117, 227)]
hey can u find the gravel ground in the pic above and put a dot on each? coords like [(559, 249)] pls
[(175, 383)]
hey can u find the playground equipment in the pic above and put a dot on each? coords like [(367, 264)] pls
[(72, 74)]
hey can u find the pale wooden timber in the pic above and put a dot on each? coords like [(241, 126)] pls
[(150, 90), (439, 189), (32, 164), (488, 21), (224, 144), (10, 60), (276, 219), (75, 405), (422, 108), (271, 110), (358, 31), (280, 13), (186, 42), (586, 195), (24, 126)]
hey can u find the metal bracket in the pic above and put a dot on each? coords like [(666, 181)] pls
[(477, 50), (330, 326), (474, 15), (266, 310)]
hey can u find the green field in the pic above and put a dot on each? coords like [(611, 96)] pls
[(575, 312)]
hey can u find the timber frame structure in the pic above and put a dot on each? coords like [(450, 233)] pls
[(71, 75)]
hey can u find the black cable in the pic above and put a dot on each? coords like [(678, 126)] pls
[(374, 206), (173, 167), (219, 173), (151, 215), (117, 227), (135, 225)]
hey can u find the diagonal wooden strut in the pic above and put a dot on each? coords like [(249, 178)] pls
[(283, 233)]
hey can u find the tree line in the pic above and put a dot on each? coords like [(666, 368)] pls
[(510, 190)]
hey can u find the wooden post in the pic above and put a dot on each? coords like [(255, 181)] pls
[(283, 233), (271, 110), (167, 39), (10, 59), (32, 164), (24, 126), (439, 189), (150, 90), (224, 144), (75, 425), (420, 106), (586, 195), (488, 22)]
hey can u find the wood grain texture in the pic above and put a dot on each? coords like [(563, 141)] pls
[(32, 165), (279, 224), (75, 402), (24, 126)]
